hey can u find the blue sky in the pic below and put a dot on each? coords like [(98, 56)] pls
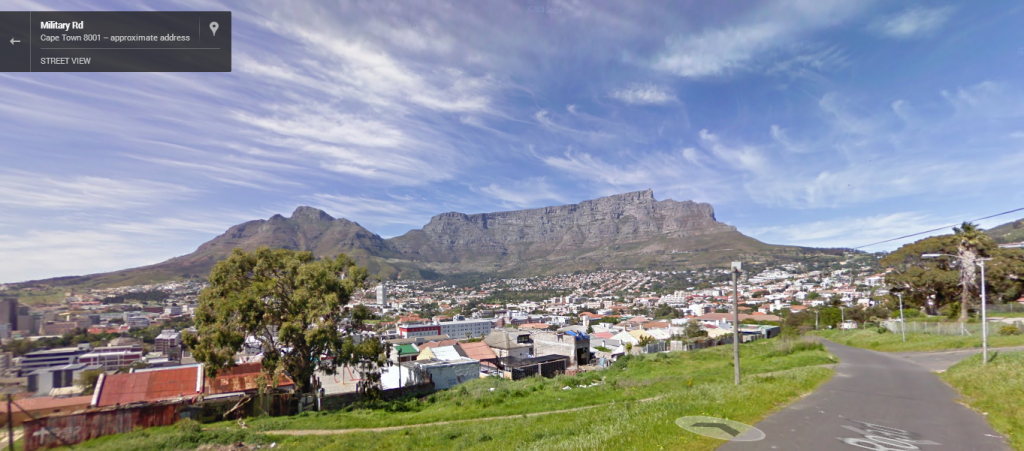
[(810, 122)]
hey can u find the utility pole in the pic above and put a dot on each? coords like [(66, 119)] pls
[(815, 320), (984, 319), (736, 323), (10, 425), (903, 324)]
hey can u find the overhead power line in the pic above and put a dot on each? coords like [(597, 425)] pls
[(940, 228)]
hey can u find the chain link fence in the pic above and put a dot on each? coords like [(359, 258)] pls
[(950, 328)]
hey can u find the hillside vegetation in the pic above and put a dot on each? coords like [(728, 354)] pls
[(632, 406)]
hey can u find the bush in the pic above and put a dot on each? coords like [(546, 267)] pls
[(189, 427), (1009, 329), (882, 330)]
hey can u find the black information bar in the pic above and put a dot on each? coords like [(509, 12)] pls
[(68, 41)]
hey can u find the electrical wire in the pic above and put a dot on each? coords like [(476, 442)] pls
[(940, 228)]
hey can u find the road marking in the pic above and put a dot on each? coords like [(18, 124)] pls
[(884, 438), (720, 428)]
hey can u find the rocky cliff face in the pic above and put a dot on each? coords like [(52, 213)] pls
[(631, 230), (622, 219)]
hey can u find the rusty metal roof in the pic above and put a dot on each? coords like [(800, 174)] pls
[(240, 378), (478, 351), (149, 386)]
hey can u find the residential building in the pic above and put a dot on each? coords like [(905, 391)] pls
[(111, 359), (461, 327), (418, 330), (509, 347), (168, 342), (574, 345)]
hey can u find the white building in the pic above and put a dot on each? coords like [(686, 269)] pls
[(460, 326), (382, 294)]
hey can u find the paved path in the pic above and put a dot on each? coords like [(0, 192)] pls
[(941, 360), (908, 406)]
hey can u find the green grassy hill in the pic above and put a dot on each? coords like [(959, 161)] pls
[(632, 405)]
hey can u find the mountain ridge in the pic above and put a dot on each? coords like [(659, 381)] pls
[(627, 230)]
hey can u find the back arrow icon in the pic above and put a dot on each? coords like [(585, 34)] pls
[(14, 40)]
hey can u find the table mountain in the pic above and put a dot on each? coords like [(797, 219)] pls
[(631, 230)]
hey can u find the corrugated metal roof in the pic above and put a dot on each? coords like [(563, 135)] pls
[(237, 381), (447, 353), (48, 402), (406, 349), (148, 386), (478, 351)]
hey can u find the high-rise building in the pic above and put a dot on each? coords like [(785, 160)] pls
[(382, 294), (9, 312)]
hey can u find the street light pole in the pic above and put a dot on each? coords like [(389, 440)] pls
[(984, 320), (984, 317), (735, 324), (903, 324)]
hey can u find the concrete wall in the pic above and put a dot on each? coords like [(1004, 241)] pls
[(447, 376), (548, 343)]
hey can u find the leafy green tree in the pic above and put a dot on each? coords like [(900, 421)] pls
[(693, 330), (923, 279), (813, 295), (290, 304), (87, 380)]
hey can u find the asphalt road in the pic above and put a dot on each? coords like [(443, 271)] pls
[(907, 408), (942, 360)]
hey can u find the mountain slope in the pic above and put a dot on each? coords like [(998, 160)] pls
[(1011, 232), (631, 230)]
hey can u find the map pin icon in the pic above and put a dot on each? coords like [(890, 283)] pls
[(213, 27)]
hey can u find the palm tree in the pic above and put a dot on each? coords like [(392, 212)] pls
[(971, 244)]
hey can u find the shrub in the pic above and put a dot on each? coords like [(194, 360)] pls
[(882, 330), (190, 427), (1009, 329)]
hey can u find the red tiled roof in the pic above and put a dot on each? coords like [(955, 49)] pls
[(605, 335), (240, 378), (435, 344), (149, 386), (478, 350)]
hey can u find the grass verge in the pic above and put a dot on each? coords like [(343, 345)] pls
[(994, 389), (683, 383), (893, 342)]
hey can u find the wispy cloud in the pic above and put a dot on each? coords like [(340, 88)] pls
[(721, 50), (38, 191), (913, 22), (853, 231), (642, 94), (523, 193)]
